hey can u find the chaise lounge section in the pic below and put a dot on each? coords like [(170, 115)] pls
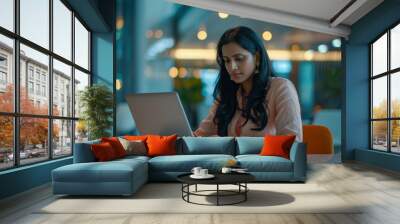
[(125, 176)]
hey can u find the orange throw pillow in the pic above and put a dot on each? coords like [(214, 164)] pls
[(116, 145), (277, 145), (136, 137), (103, 152), (161, 145)]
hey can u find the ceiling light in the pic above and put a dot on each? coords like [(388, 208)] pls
[(120, 22), (308, 55), (158, 34), (118, 84), (173, 72), (182, 72), (149, 34), (223, 15), (323, 48), (202, 35), (295, 47), (267, 36), (336, 43)]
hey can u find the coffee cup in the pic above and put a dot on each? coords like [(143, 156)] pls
[(203, 172), (226, 170), (196, 170)]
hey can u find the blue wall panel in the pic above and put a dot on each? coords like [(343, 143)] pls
[(356, 113)]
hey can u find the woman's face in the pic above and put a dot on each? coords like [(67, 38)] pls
[(239, 62)]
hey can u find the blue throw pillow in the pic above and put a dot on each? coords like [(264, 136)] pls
[(207, 145), (249, 145)]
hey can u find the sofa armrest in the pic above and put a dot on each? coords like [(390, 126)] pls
[(83, 152), (298, 155)]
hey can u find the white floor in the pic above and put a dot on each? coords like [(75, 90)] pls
[(378, 189)]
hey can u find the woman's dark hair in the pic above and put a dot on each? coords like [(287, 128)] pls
[(225, 89)]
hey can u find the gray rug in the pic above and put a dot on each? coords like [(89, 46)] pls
[(166, 198)]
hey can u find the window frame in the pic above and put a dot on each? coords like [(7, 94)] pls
[(388, 74), (16, 114)]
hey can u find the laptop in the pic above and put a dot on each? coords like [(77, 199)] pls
[(159, 113)]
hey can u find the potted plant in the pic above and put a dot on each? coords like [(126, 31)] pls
[(96, 102)]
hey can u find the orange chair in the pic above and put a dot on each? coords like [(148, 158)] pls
[(318, 138)]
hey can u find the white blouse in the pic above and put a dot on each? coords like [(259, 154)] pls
[(284, 117)]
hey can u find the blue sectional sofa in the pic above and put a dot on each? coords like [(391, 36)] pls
[(125, 176)]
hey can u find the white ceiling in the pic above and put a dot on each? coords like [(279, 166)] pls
[(314, 15)]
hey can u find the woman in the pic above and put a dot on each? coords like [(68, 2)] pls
[(248, 100)]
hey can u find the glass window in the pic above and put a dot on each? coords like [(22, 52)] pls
[(6, 142), (40, 61), (43, 90), (37, 89), (379, 135), (62, 72), (6, 86), (81, 81), (33, 140), (62, 137), (395, 136), (34, 21), (30, 87), (3, 60), (81, 45), (30, 72), (395, 47), (395, 95), (62, 29), (3, 78), (81, 131), (34, 78), (379, 56), (385, 125), (379, 100), (7, 14)]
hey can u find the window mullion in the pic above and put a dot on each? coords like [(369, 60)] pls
[(73, 82), (389, 94), (16, 84), (50, 81)]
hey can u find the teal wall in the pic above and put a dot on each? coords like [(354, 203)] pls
[(356, 108), (24, 178), (27, 177)]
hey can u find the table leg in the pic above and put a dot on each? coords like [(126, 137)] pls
[(245, 193), (217, 194), (196, 188)]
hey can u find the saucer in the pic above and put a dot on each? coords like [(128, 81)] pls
[(208, 176)]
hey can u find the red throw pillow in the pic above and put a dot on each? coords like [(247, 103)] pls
[(161, 145), (277, 145), (103, 151), (116, 145)]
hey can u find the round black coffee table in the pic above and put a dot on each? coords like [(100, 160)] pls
[(238, 179)]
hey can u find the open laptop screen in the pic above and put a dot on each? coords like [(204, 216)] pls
[(159, 113)]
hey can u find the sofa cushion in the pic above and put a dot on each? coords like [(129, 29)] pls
[(257, 163), (185, 163), (83, 152), (103, 152), (111, 171), (249, 145), (116, 145), (207, 145), (161, 145), (134, 147), (277, 145)]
